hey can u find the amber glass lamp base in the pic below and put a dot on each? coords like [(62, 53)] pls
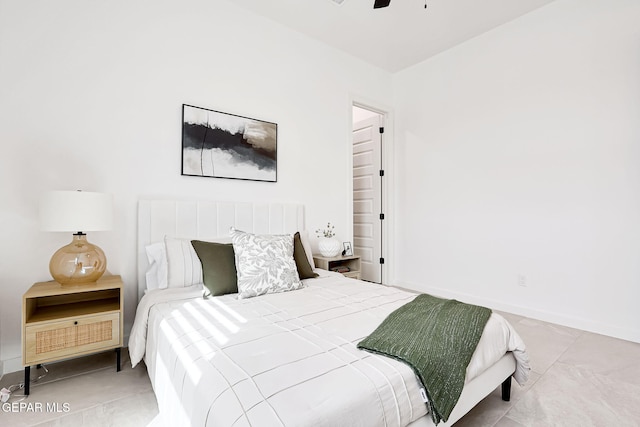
[(78, 262)]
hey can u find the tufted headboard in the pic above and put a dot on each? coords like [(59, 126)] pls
[(204, 220)]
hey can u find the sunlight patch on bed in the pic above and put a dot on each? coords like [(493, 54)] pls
[(181, 352), (224, 321), (228, 309), (218, 335)]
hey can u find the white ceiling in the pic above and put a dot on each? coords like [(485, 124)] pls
[(396, 37)]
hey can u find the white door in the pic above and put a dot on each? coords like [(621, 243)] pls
[(367, 196)]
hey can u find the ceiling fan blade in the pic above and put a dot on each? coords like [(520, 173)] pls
[(381, 3)]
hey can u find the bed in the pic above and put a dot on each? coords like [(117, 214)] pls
[(287, 358)]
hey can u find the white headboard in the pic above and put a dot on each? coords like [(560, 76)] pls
[(207, 220)]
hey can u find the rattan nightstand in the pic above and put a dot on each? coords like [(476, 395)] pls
[(65, 321)]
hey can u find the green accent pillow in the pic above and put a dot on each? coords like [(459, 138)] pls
[(300, 257), (218, 266)]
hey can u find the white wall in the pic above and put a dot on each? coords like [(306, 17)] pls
[(91, 95), (521, 150)]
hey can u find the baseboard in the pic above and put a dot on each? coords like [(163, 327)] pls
[(12, 365), (543, 315)]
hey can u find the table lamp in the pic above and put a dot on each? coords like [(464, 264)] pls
[(79, 261)]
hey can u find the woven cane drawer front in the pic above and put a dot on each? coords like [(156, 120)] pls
[(71, 337)]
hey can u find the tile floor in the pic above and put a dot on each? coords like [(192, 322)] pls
[(578, 379)]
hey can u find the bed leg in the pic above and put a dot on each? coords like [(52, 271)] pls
[(506, 389)]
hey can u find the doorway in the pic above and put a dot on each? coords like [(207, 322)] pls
[(368, 175)]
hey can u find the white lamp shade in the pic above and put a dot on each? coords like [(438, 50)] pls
[(76, 211)]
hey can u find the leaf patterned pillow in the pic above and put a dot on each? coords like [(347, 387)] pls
[(264, 263)]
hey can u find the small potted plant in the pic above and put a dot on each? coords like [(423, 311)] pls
[(328, 245)]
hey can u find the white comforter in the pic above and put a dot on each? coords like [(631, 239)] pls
[(287, 359)]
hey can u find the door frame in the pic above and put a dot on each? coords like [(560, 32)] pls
[(388, 200)]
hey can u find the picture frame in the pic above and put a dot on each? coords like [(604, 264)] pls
[(347, 249), (222, 145)]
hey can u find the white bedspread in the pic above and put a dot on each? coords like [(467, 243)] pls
[(287, 359)]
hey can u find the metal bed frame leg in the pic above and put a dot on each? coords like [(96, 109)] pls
[(506, 389)]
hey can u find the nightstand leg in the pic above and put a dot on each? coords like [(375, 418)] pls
[(27, 378), (118, 351)]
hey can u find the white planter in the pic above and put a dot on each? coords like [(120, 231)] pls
[(329, 246)]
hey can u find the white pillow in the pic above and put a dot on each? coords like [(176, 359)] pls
[(151, 277), (156, 275), (264, 263), (183, 265), (304, 239)]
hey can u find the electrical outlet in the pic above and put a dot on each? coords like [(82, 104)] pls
[(522, 280)]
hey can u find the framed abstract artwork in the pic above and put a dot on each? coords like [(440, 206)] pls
[(221, 145)]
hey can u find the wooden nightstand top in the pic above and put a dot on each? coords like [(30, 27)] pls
[(336, 258), (43, 289)]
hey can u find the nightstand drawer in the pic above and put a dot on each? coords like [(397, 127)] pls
[(71, 337)]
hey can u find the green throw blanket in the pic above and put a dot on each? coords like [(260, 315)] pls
[(437, 338)]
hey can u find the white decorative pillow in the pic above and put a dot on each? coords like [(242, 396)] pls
[(183, 265), (156, 275), (264, 263)]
